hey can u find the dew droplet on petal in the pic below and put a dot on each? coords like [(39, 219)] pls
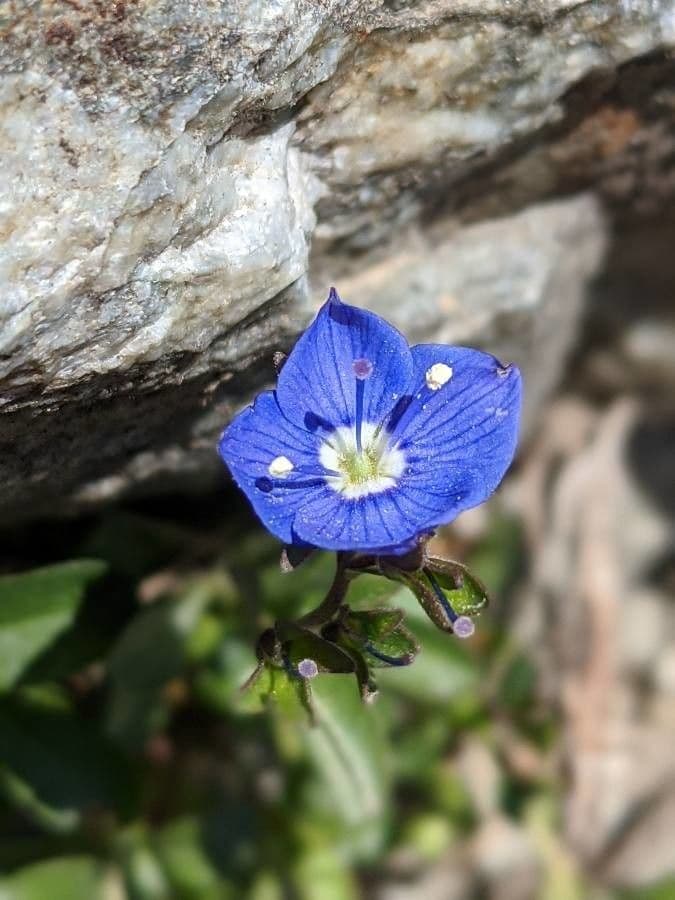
[(463, 627), (307, 668), (438, 375), (280, 467), (363, 368)]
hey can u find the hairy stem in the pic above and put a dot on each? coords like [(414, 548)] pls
[(331, 602)]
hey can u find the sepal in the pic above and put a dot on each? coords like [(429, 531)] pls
[(380, 635)]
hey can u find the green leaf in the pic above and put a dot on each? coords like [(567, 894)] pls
[(23, 798), (396, 649), (266, 886), (428, 836), (56, 768), (373, 624), (287, 595), (218, 685), (151, 651), (322, 875), (274, 689), (349, 756), (64, 878), (662, 890), (380, 635), (143, 875), (35, 607), (301, 644), (443, 669), (467, 595), (180, 850), (367, 589)]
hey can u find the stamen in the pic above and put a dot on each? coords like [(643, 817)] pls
[(280, 467), (438, 375), (360, 386), (363, 368)]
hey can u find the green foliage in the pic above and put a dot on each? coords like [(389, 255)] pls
[(349, 755), (664, 890), (133, 766), (462, 588), (67, 878), (151, 651), (57, 766), (381, 635), (444, 668), (37, 606)]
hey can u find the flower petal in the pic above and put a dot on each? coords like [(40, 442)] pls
[(460, 436), (272, 461), (374, 522), (317, 384)]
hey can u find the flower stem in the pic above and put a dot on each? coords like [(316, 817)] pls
[(331, 602)]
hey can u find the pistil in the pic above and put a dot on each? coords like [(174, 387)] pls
[(363, 369)]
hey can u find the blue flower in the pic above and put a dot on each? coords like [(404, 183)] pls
[(369, 444)]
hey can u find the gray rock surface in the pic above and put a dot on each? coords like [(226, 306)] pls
[(182, 180), (514, 286)]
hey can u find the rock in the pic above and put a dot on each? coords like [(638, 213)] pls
[(597, 616), (176, 172), (639, 647), (514, 286), (665, 670), (505, 860), (447, 87), (645, 855), (479, 773)]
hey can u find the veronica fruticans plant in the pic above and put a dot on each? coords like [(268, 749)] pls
[(366, 447)]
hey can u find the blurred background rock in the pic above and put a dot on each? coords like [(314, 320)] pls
[(182, 181)]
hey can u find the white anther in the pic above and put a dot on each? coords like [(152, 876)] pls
[(438, 375), (280, 467)]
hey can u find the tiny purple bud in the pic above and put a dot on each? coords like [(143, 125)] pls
[(463, 627), (363, 368), (307, 668)]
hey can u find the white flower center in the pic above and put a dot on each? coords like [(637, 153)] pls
[(373, 469)]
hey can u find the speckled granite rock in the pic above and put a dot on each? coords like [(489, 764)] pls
[(174, 171)]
